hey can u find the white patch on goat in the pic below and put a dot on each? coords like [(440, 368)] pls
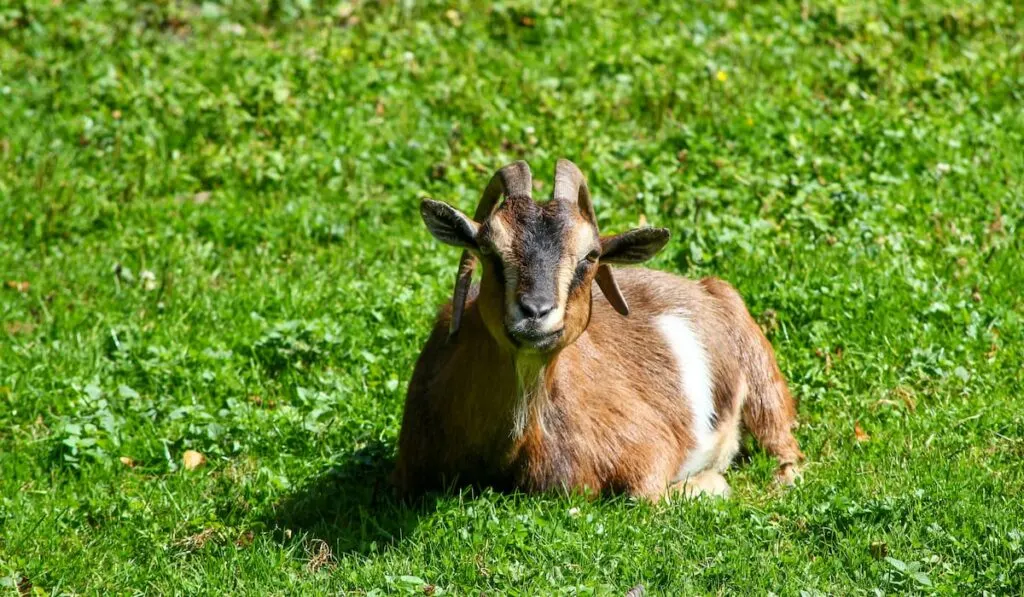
[(695, 384)]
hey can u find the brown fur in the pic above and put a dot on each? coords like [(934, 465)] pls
[(544, 384), (609, 415)]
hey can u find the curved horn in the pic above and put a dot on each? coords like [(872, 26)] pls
[(514, 180), (570, 185)]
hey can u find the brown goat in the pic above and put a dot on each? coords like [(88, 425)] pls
[(533, 381)]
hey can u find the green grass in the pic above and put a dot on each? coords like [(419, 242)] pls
[(214, 206)]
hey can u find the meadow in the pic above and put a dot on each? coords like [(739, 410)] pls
[(214, 282)]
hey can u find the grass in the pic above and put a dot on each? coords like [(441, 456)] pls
[(209, 241)]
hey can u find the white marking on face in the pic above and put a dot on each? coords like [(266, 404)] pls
[(511, 283), (583, 241), (695, 384), (502, 242), (552, 322)]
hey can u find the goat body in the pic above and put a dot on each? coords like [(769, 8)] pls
[(559, 373), (643, 404)]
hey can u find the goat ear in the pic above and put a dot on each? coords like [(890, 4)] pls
[(610, 289), (448, 224), (635, 246)]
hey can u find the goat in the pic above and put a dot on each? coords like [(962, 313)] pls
[(532, 381)]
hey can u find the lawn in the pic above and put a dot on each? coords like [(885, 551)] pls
[(210, 242)]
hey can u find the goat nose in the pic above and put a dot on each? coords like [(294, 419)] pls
[(535, 307)]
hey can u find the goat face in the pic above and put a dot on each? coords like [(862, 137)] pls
[(540, 259), (539, 262)]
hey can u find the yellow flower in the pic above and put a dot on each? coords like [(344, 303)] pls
[(721, 76)]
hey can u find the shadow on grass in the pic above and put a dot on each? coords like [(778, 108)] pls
[(351, 506)]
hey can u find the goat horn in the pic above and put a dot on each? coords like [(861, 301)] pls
[(571, 185), (514, 180)]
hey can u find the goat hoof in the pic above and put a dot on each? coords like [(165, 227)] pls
[(706, 484), (787, 475)]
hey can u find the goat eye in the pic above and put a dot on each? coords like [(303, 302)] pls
[(584, 264)]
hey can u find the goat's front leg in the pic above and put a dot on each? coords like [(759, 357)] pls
[(705, 483)]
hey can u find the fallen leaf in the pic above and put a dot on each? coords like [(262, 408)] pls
[(19, 285), (197, 541), (859, 434), (320, 556), (637, 591), (193, 460), (129, 461), (201, 197), (879, 549), (15, 328), (997, 224), (245, 539), (907, 396), (481, 566)]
